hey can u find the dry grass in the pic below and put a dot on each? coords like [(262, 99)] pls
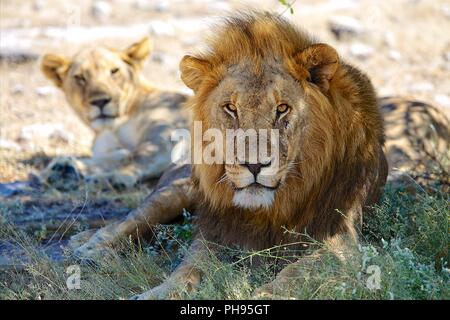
[(406, 238)]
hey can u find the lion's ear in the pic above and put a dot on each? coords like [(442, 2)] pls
[(193, 71), (138, 52), (55, 67), (321, 61)]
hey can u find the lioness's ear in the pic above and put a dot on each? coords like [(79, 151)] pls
[(138, 52), (54, 67), (193, 70), (321, 61)]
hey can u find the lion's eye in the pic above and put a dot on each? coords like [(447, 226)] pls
[(114, 70), (231, 110), (80, 79), (282, 109)]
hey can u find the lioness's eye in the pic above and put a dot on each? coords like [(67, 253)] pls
[(79, 79), (114, 70), (230, 109), (282, 109)]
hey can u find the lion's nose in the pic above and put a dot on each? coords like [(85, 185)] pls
[(255, 168), (100, 103)]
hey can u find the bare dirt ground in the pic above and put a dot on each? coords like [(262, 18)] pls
[(404, 46)]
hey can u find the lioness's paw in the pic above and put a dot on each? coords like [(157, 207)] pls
[(122, 181), (164, 291), (116, 181), (62, 174)]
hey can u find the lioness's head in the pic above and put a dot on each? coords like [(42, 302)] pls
[(99, 83), (260, 72)]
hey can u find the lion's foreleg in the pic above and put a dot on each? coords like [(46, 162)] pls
[(185, 278), (172, 194)]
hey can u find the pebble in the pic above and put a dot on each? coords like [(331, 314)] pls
[(161, 6), (446, 11), (389, 39), (12, 55), (46, 91), (395, 55), (38, 5), (447, 56), (361, 51), (421, 87), (17, 89), (442, 99), (160, 28), (45, 131), (9, 145), (342, 26), (101, 9), (148, 5)]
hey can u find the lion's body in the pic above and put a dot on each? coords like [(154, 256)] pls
[(417, 140), (337, 168), (132, 120)]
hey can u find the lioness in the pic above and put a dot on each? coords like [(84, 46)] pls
[(261, 72), (132, 120)]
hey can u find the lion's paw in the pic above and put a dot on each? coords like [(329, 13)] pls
[(164, 291), (79, 239), (99, 244), (62, 174), (264, 292), (90, 252)]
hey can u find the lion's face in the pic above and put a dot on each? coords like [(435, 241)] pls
[(268, 102), (99, 83), (279, 96)]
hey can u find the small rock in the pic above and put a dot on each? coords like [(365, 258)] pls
[(158, 57), (447, 56), (389, 39), (395, 55), (17, 89), (342, 26), (142, 5), (9, 145), (190, 40), (361, 51), (446, 11), (442, 99), (38, 5), (421, 87), (45, 131), (219, 6), (101, 9), (160, 28), (62, 136), (10, 55), (45, 91), (161, 6)]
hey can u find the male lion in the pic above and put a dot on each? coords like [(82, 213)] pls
[(132, 120), (260, 72)]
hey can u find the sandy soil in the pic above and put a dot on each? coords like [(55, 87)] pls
[(404, 46)]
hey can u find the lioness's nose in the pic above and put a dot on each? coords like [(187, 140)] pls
[(100, 103), (255, 168)]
